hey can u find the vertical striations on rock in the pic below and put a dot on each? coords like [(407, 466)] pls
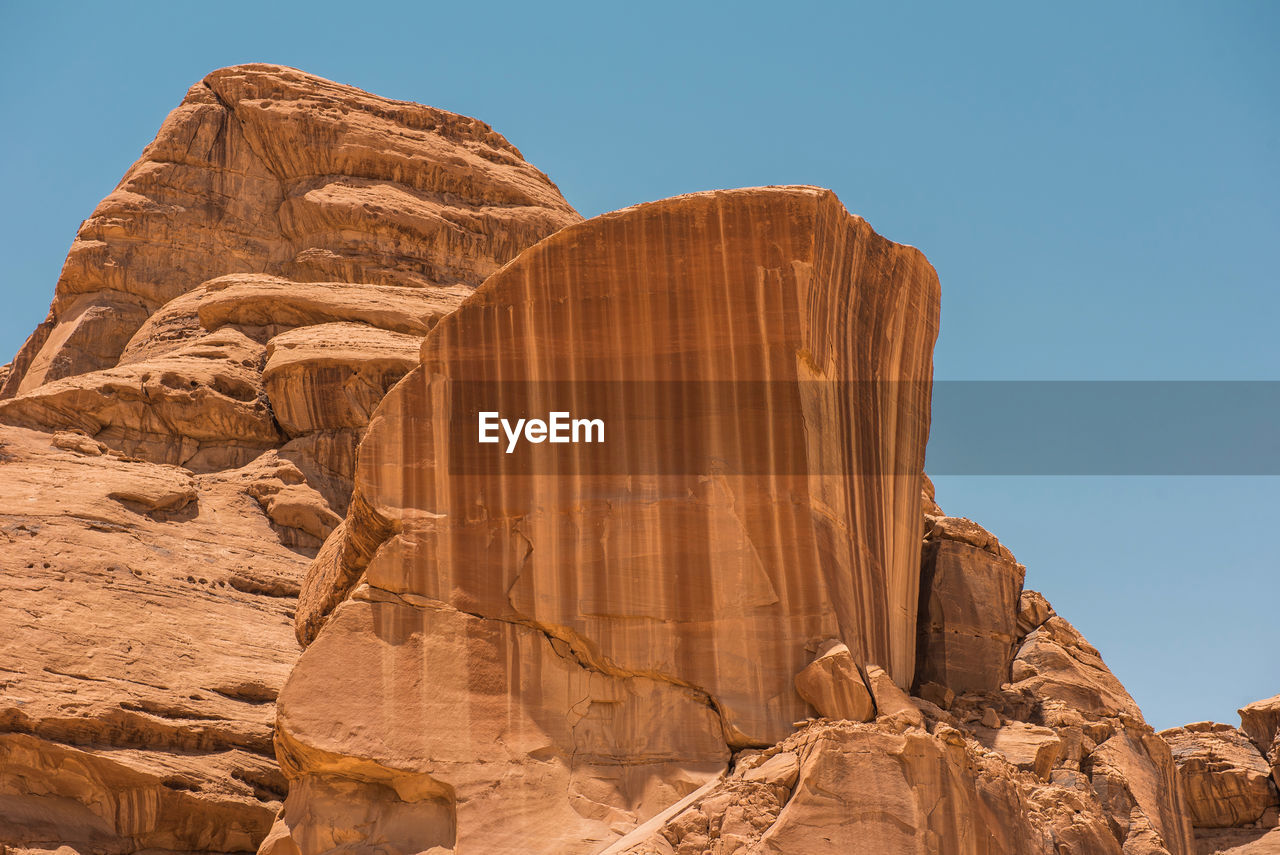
[(682, 597)]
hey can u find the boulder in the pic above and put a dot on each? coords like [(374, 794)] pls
[(1027, 746), (833, 686), (1033, 611), (891, 701)]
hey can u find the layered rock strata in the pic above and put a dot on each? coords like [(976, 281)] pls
[(180, 438), (147, 631), (1230, 783), (1226, 779), (264, 169), (696, 637)]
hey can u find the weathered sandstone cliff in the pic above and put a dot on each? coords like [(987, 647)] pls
[(741, 624), (181, 438), (604, 595)]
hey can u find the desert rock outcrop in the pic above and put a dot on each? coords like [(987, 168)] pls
[(698, 589), (147, 630), (1226, 781), (969, 589), (264, 169), (739, 623), (834, 686), (1231, 792), (1260, 721), (180, 438)]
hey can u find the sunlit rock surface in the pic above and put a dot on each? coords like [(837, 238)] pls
[(704, 591), (179, 438)]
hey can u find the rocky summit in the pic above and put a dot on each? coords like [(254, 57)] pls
[(262, 590)]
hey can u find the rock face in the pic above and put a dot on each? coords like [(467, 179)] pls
[(179, 438), (271, 200), (969, 589), (1226, 780), (684, 596), (716, 630), (264, 169), (1232, 796), (147, 631), (1260, 721)]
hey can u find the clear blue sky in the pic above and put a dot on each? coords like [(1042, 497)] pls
[(1096, 183)]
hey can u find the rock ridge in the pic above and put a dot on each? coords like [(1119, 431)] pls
[(178, 438)]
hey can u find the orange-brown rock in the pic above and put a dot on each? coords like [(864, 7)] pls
[(1058, 666), (969, 592), (161, 494), (1027, 746), (1226, 779), (871, 788), (201, 406), (1238, 841), (1260, 721), (711, 579), (258, 300), (1061, 685), (147, 631), (491, 736), (264, 169), (375, 211), (332, 376), (833, 685), (1136, 780), (615, 648)]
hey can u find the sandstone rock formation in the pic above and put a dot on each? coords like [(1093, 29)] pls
[(686, 596), (833, 685), (264, 169), (718, 631), (146, 616), (181, 438), (1232, 797), (1260, 721), (969, 589), (270, 200), (1227, 782)]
